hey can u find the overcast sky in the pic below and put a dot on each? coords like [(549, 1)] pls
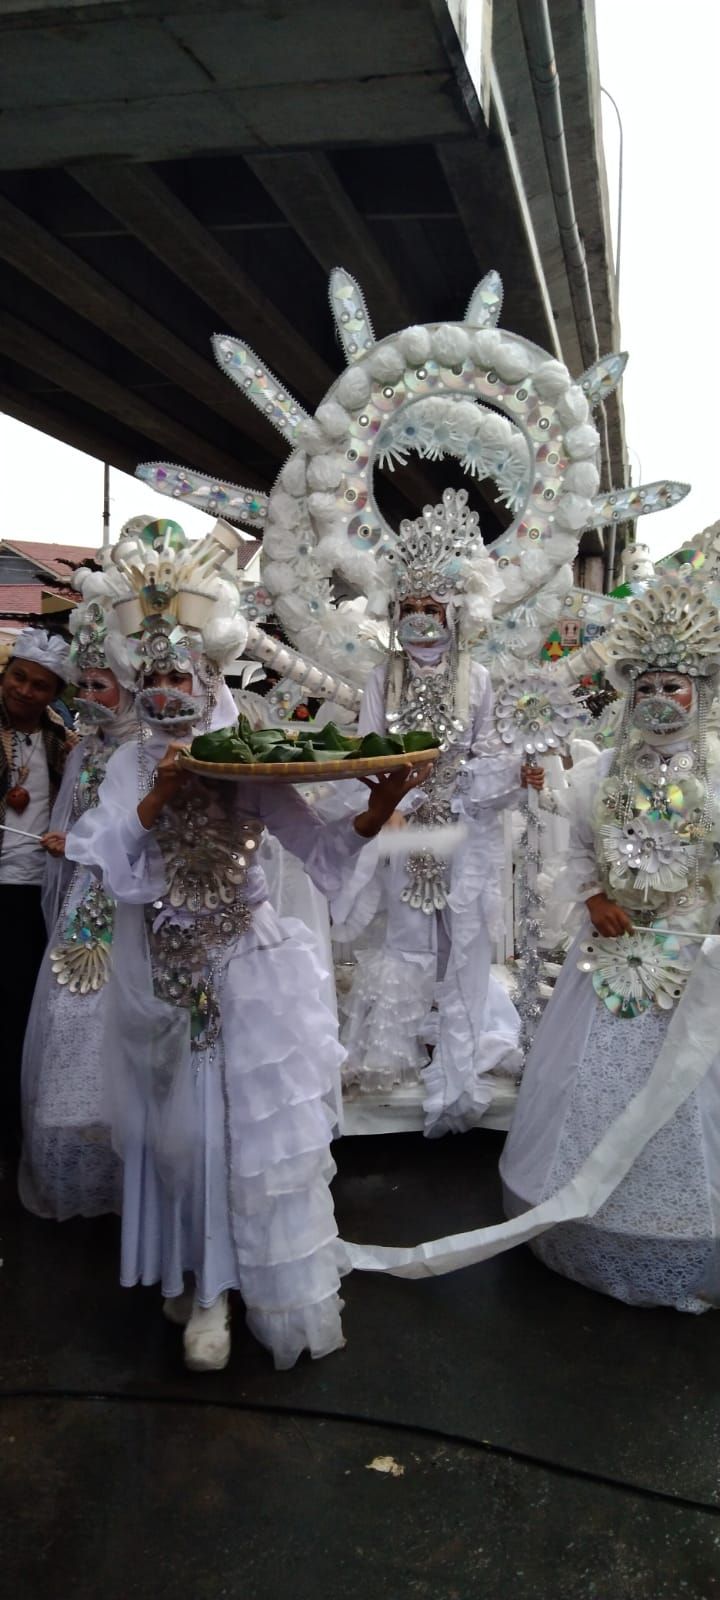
[(659, 60)]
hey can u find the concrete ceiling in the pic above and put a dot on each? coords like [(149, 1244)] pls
[(172, 168)]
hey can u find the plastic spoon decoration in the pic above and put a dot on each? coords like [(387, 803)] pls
[(535, 716)]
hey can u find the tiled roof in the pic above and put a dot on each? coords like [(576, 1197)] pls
[(59, 559), (246, 551), (25, 599)]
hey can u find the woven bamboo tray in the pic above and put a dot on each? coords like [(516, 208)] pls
[(305, 771)]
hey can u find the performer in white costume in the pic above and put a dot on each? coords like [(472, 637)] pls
[(69, 1166), (222, 1056), (645, 825), (429, 983)]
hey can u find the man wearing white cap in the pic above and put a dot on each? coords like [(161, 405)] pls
[(33, 746)]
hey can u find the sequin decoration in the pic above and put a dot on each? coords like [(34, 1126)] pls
[(258, 383), (647, 853), (185, 956), (352, 319), (427, 890), (206, 858), (619, 504), (217, 498), (486, 301), (536, 715), (603, 377), (638, 970), (81, 962), (427, 702)]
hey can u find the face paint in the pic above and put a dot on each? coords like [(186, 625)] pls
[(99, 687)]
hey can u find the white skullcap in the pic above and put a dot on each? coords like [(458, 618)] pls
[(47, 650)]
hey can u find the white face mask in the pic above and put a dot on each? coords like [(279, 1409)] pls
[(424, 637), (422, 627), (170, 711), (93, 714), (656, 713), (657, 709)]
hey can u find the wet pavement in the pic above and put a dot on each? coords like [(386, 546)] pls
[(547, 1442)]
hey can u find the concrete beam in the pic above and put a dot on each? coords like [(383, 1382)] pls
[(35, 410), (39, 256), (482, 189), (305, 187), (29, 348), (148, 208), (151, 81)]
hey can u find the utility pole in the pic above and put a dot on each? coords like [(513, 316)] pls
[(106, 505)]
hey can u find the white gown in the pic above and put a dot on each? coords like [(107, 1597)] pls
[(227, 1145), (68, 1165), (655, 1240), (427, 981)]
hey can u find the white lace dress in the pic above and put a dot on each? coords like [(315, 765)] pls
[(68, 1165), (222, 1054), (655, 1240)]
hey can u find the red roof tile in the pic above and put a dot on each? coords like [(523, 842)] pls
[(25, 599), (60, 559)]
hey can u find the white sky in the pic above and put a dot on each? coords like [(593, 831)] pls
[(659, 60)]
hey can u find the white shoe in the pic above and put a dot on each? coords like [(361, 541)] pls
[(178, 1310), (206, 1339)]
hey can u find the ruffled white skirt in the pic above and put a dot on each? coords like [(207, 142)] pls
[(254, 1211)]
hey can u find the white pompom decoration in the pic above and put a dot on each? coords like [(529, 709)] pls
[(293, 475), (279, 577), (333, 420), (224, 638), (322, 507), (354, 388), (486, 347), (450, 345), (571, 513), (415, 345), (310, 437), (280, 544), (89, 584), (572, 407), (562, 546), (512, 361), (495, 431), (325, 472), (551, 379), (466, 416), (582, 477), (283, 510), (387, 364), (582, 442)]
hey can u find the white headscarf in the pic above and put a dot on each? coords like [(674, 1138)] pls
[(45, 650)]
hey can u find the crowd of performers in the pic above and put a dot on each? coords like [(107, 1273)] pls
[(172, 1045)]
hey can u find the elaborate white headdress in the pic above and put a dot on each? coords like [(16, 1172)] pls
[(499, 404), (673, 626), (47, 650), (163, 600), (441, 554)]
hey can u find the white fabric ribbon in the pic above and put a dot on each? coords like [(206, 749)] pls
[(689, 1049)]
